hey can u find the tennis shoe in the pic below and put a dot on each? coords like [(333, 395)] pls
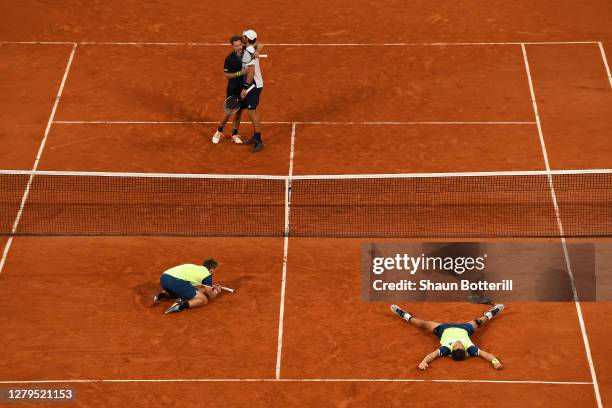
[(176, 307), (491, 313), (257, 146), (401, 313), (250, 141), (159, 296), (217, 137), (237, 139)]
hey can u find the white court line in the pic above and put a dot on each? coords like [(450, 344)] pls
[(281, 313), (7, 247), (399, 44), (560, 226), (40, 42), (196, 122), (306, 380), (605, 61)]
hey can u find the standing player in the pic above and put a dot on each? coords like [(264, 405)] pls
[(454, 338), (233, 73), (181, 282), (250, 62)]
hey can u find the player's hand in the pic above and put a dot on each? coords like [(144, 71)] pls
[(243, 94), (217, 288), (423, 366), (497, 364)]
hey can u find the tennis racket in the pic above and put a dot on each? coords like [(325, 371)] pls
[(232, 103), (222, 288), (479, 299)]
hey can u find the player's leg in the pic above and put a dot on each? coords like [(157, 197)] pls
[(256, 139), (219, 132), (429, 325), (488, 315), (186, 293), (198, 300), (166, 282), (235, 126), (161, 295), (252, 101)]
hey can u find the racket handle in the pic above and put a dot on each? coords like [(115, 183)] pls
[(263, 55), (250, 88), (222, 288)]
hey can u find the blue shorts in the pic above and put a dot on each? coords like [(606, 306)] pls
[(177, 287), (252, 99), (438, 330)]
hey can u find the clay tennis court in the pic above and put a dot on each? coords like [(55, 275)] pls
[(350, 89)]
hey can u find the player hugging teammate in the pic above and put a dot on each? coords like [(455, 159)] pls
[(246, 82)]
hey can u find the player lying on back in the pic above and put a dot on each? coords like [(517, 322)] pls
[(454, 338), (190, 284)]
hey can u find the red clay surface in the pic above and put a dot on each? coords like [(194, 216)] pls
[(388, 21), (172, 148), (574, 99), (345, 337), (31, 76), (345, 394), (83, 310), (371, 149), (72, 306), (467, 83)]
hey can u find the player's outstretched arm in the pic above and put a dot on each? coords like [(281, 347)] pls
[(491, 359), (423, 365)]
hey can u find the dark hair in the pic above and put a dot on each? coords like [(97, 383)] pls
[(210, 264), (235, 38), (458, 354)]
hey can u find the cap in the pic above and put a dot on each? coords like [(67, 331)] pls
[(250, 34)]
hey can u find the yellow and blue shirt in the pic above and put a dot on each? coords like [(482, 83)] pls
[(451, 333), (194, 274)]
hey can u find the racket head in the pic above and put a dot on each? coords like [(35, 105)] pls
[(231, 104), (479, 299)]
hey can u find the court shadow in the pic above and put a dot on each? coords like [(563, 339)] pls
[(168, 104), (143, 294)]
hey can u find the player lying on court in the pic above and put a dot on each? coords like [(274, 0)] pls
[(454, 338), (192, 285)]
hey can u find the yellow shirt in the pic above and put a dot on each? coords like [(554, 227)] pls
[(194, 274), (453, 334)]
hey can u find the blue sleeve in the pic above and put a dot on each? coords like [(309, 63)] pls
[(207, 281), (473, 351), (444, 351)]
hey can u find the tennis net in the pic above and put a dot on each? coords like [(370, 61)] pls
[(437, 205)]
